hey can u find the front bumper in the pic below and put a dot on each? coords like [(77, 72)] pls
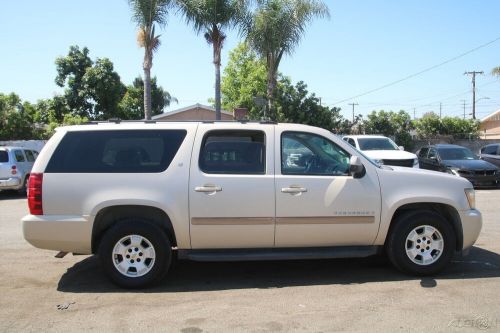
[(59, 232), (472, 222), (13, 183), (480, 180)]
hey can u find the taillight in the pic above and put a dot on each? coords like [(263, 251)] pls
[(35, 193), (13, 169)]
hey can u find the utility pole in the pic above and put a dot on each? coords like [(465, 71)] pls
[(353, 104), (473, 73), (440, 109), (414, 114), (463, 101)]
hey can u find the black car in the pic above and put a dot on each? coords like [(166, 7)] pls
[(459, 161), (491, 153)]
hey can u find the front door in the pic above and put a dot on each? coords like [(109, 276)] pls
[(318, 203), (231, 185)]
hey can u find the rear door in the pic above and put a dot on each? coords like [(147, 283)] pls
[(5, 164), (231, 187)]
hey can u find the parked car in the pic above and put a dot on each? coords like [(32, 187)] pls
[(15, 167), (491, 153), (459, 161), (382, 150), (139, 193)]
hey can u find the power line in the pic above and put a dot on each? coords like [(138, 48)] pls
[(419, 73)]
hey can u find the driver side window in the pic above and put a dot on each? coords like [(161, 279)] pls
[(310, 154)]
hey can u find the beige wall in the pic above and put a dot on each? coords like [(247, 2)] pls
[(195, 114), (490, 129)]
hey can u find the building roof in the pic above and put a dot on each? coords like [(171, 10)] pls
[(187, 108), (493, 116)]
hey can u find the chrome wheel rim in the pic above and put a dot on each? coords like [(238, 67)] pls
[(133, 256), (424, 245)]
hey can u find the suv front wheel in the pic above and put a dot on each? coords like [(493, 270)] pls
[(135, 253), (421, 243)]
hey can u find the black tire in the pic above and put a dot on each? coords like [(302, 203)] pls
[(24, 190), (157, 239), (396, 244)]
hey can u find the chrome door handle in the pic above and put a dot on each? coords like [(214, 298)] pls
[(293, 189), (208, 189)]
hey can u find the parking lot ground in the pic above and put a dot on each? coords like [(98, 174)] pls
[(40, 293)]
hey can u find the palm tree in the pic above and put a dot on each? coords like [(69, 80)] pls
[(213, 17), (496, 71), (146, 13), (276, 28)]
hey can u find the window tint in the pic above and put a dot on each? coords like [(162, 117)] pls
[(432, 153), (19, 155), (233, 152), (423, 152), (121, 151), (310, 154), (35, 154), (29, 155), (491, 150), (376, 144), (456, 154), (4, 156), (352, 143)]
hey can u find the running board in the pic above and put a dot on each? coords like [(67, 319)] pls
[(279, 253)]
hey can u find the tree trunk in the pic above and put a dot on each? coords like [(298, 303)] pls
[(218, 115), (271, 84), (147, 93)]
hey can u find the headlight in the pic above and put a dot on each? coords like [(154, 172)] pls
[(453, 172), (471, 197)]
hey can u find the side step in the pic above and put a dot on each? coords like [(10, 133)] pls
[(279, 253)]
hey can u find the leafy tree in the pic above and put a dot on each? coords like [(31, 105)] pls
[(70, 72), (296, 105), (212, 18), (431, 125), (276, 28), (68, 120), (392, 124), (146, 13), (132, 105), (16, 118), (103, 86), (244, 78)]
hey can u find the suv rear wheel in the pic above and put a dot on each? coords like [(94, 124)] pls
[(135, 253), (421, 243)]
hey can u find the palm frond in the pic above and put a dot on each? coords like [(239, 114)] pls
[(496, 71)]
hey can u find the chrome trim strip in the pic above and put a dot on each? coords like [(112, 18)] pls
[(326, 220), (232, 220)]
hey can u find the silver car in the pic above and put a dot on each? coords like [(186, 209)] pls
[(15, 167)]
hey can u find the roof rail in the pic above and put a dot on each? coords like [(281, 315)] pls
[(119, 121)]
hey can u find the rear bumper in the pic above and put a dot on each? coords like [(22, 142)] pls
[(59, 233), (472, 222), (13, 183)]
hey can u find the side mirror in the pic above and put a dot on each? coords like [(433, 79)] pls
[(356, 168), (401, 148)]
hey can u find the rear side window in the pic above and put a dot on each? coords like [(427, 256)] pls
[(29, 156), (120, 151), (19, 155), (4, 156), (423, 152), (233, 152)]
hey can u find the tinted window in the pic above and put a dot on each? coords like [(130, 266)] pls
[(122, 151), (310, 154), (19, 155), (491, 150), (352, 143), (456, 154), (376, 144), (4, 156), (233, 152), (423, 152), (29, 155)]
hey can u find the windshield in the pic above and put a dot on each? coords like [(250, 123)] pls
[(456, 154), (376, 144)]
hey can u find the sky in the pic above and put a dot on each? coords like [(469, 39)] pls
[(364, 45)]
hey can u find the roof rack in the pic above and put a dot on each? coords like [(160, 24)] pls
[(118, 121)]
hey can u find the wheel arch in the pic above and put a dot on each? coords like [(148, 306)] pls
[(108, 216), (449, 213)]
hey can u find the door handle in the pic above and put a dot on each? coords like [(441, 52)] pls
[(208, 189), (294, 189)]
